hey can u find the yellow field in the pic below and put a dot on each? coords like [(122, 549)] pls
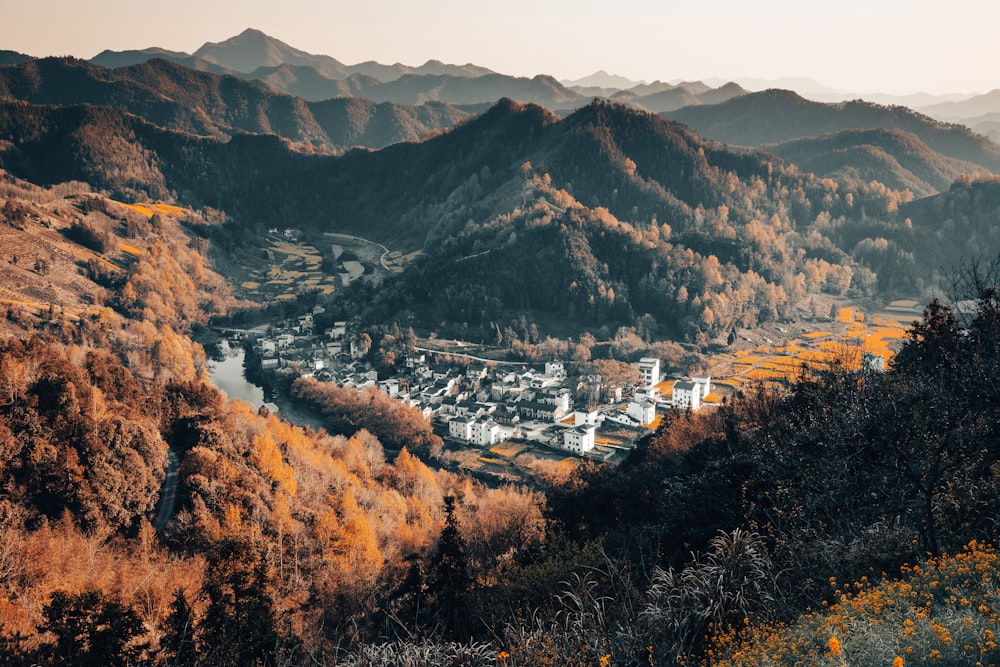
[(130, 249), (877, 334), (149, 209), (508, 450)]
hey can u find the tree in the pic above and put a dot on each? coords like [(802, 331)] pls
[(178, 646), (91, 630), (238, 626), (448, 578)]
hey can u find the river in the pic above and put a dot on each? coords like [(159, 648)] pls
[(227, 376)]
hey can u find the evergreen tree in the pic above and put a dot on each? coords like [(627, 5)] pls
[(92, 631), (238, 626), (448, 581), (179, 649)]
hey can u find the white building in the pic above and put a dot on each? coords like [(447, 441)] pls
[(486, 432), (461, 428), (555, 369), (706, 385), (650, 369), (390, 387), (643, 411), (687, 395), (586, 418), (579, 439)]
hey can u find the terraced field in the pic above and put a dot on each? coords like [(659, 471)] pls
[(851, 335)]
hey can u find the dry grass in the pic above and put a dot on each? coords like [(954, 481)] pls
[(508, 450)]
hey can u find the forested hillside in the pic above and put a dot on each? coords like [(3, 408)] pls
[(276, 535), (774, 234), (291, 546), (777, 116), (897, 159), (178, 98)]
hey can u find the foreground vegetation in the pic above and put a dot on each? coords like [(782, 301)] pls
[(727, 535)]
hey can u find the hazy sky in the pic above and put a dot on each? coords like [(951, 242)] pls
[(893, 46)]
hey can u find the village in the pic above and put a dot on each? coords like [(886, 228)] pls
[(484, 403), (549, 409)]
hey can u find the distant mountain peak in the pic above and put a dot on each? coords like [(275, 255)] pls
[(253, 49), (601, 79)]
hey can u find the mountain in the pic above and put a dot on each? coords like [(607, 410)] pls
[(777, 116), (667, 100), (804, 86), (644, 89), (980, 105), (252, 49), (113, 59), (665, 97), (417, 89), (657, 206), (897, 159), (13, 58), (350, 122), (166, 94), (988, 126), (601, 79), (722, 94), (177, 98), (387, 73), (306, 82), (255, 55)]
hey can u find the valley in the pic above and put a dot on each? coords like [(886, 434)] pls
[(365, 365)]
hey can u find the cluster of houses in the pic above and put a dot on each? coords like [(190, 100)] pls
[(483, 404)]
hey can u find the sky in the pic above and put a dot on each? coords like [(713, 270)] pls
[(888, 46)]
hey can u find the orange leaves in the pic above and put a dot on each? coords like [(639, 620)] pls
[(266, 456), (927, 617)]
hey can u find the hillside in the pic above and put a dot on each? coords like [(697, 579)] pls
[(417, 89), (899, 160), (777, 116), (178, 98), (979, 105), (772, 229)]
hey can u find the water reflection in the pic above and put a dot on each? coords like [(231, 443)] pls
[(227, 376)]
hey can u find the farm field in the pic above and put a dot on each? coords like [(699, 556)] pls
[(846, 339)]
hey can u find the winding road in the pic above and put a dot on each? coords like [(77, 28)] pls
[(168, 492)]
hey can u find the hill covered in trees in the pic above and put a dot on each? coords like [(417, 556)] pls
[(178, 98), (897, 159), (292, 545), (680, 205), (778, 116)]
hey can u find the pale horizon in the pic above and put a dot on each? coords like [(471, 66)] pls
[(891, 47)]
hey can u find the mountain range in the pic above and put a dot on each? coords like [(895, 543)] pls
[(777, 116), (775, 189), (613, 208), (176, 97), (256, 56)]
